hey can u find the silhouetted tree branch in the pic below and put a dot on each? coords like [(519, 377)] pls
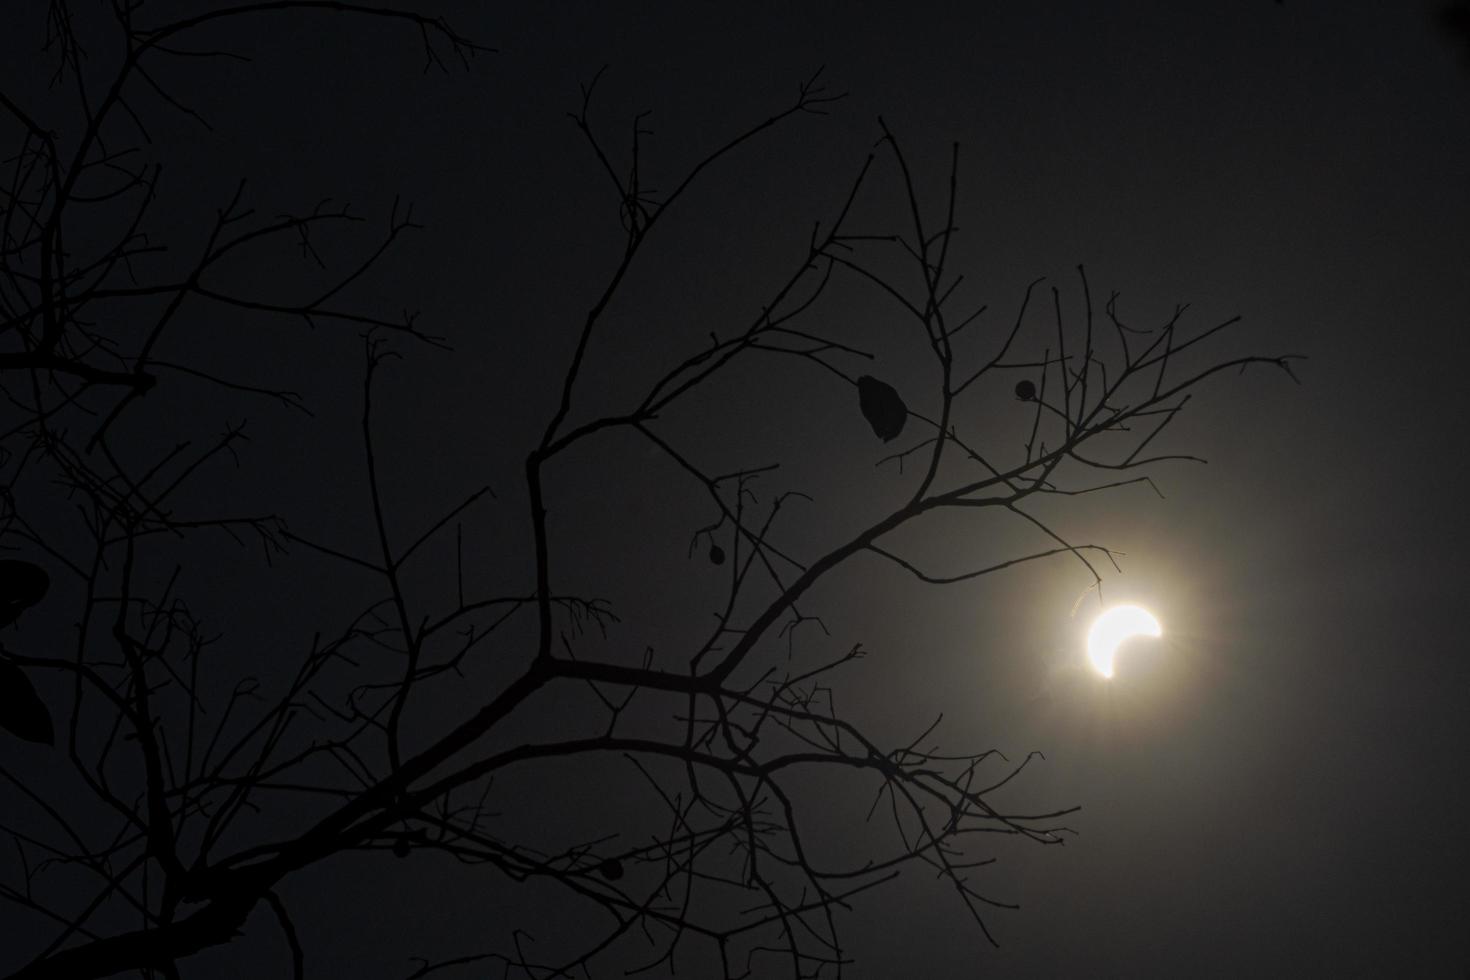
[(193, 790)]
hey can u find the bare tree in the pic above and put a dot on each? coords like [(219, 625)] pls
[(182, 791)]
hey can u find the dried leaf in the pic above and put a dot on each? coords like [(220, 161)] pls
[(882, 407), (22, 585), (22, 712)]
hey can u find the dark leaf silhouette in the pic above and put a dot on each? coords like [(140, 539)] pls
[(22, 712), (611, 869), (1025, 390), (882, 407), (22, 585), (716, 554)]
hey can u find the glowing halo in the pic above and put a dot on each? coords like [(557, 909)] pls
[(1112, 628)]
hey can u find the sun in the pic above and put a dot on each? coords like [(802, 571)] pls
[(1112, 628)]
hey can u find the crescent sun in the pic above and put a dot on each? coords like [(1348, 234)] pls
[(1112, 628)]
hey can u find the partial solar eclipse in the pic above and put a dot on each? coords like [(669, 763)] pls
[(1113, 627)]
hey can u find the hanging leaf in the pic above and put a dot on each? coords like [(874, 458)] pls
[(22, 712), (716, 554), (882, 407), (1025, 390), (22, 585)]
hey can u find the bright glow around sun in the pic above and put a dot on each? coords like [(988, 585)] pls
[(1112, 628)]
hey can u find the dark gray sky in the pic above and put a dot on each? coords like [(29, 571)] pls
[(1278, 787)]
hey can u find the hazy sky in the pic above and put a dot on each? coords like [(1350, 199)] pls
[(1276, 788)]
